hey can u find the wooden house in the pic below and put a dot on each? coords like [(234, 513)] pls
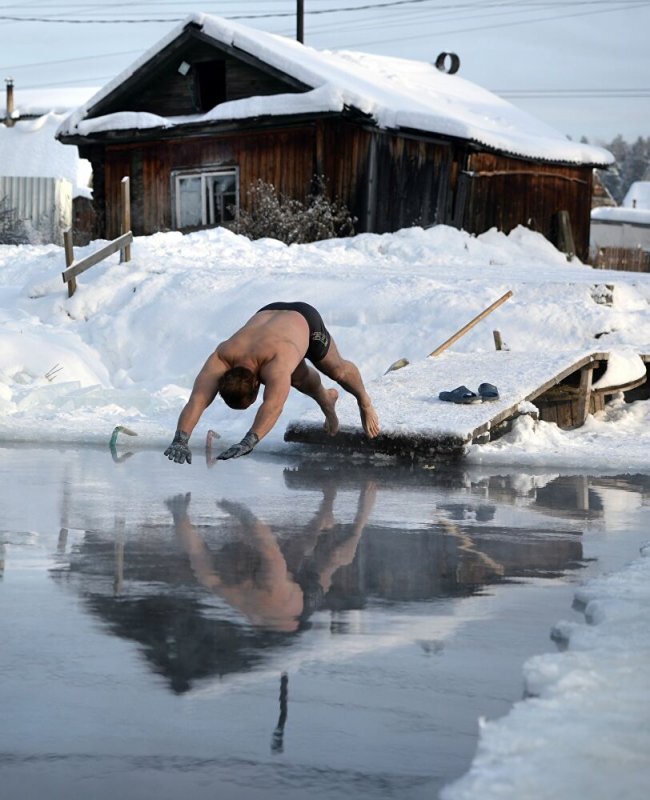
[(216, 106)]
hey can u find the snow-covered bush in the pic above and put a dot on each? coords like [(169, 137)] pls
[(12, 229), (278, 216)]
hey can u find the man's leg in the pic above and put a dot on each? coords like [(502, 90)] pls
[(346, 374), (307, 380)]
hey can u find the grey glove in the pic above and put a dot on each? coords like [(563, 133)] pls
[(245, 446), (179, 450)]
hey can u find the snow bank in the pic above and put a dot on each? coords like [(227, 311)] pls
[(585, 732)]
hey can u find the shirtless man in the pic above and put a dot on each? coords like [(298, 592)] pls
[(271, 349)]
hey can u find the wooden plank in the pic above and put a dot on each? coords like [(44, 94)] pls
[(470, 324), (558, 378), (623, 387), (447, 446), (94, 258), (408, 447)]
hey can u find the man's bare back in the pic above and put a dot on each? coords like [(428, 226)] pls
[(268, 335)]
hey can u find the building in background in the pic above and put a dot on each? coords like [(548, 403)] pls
[(45, 187), (217, 106), (620, 236)]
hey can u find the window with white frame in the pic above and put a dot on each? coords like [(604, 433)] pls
[(206, 198)]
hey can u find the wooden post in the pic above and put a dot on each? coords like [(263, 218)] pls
[(470, 324), (69, 258), (584, 400), (565, 234), (125, 254), (498, 341)]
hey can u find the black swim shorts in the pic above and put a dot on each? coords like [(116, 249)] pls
[(319, 337)]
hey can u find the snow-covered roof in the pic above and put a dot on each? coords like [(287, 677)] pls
[(395, 92), (638, 195), (635, 209), (621, 214), (36, 102), (29, 149)]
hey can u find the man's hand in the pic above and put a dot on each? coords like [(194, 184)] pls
[(245, 446), (178, 505), (179, 450)]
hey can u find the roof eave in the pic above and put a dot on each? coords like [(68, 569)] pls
[(197, 129)]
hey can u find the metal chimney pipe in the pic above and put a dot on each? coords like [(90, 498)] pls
[(9, 112)]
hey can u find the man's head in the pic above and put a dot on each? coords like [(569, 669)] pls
[(238, 387)]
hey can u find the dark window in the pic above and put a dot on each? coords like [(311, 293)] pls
[(210, 79)]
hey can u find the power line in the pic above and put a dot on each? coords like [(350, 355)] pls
[(569, 94), (482, 28), (278, 14), (538, 5)]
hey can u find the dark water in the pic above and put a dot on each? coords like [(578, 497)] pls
[(277, 627)]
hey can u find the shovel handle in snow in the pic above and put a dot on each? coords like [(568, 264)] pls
[(471, 324)]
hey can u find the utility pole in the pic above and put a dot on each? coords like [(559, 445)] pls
[(300, 21)]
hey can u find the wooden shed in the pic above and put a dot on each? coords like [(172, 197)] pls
[(216, 106)]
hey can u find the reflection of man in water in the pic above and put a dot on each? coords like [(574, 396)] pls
[(252, 574)]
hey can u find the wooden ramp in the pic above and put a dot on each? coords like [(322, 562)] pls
[(416, 425)]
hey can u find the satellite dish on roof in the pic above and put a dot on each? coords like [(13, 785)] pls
[(448, 62)]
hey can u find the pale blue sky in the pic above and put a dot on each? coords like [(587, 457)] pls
[(582, 66)]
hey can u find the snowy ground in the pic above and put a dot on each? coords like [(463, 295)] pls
[(125, 349)]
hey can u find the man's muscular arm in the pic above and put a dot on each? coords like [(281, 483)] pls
[(206, 386), (276, 391)]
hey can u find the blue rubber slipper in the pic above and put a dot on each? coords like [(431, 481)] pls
[(488, 391), (461, 394)]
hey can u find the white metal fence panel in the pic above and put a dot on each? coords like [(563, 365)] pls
[(42, 205)]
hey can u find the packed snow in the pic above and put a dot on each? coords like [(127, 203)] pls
[(395, 92)]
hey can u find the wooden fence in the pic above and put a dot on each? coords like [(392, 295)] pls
[(626, 259), (122, 243)]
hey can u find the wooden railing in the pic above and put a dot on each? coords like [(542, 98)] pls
[(122, 243)]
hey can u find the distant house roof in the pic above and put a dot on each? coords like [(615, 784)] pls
[(393, 93), (29, 149), (638, 195), (30, 103)]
